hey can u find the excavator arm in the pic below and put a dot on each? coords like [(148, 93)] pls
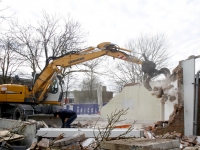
[(55, 64)]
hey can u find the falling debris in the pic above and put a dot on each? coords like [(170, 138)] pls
[(167, 93)]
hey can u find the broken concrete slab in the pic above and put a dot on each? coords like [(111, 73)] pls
[(12, 137), (141, 144), (28, 129), (33, 146), (43, 144), (74, 146), (191, 148), (68, 140), (87, 142), (89, 133), (4, 133)]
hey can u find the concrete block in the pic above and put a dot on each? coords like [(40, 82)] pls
[(34, 144), (44, 143), (66, 141), (140, 144), (191, 148), (89, 133), (87, 142), (74, 146)]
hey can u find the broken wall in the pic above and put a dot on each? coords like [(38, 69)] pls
[(175, 121), (143, 106), (172, 110), (148, 106)]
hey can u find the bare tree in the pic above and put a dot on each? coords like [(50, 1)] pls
[(105, 132), (51, 37), (9, 60), (58, 39), (2, 17), (2, 13), (92, 72), (29, 46), (90, 81), (70, 81), (155, 49)]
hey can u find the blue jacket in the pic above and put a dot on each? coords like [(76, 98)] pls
[(64, 113)]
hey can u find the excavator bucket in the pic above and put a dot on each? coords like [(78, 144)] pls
[(149, 68)]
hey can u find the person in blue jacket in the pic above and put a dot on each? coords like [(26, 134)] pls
[(67, 117)]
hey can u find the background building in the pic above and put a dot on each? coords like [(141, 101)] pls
[(82, 97)]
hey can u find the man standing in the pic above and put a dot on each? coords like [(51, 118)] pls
[(67, 117)]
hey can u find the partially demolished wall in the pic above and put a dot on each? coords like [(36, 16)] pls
[(176, 119), (147, 106), (143, 107), (165, 104)]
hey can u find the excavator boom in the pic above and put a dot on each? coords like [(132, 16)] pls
[(20, 101), (76, 57)]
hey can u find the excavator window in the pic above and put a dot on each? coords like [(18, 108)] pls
[(54, 87)]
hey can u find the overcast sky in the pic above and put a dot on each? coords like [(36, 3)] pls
[(117, 21)]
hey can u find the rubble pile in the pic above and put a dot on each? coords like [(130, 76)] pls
[(8, 138), (78, 141), (59, 142), (79, 125), (163, 124), (186, 142)]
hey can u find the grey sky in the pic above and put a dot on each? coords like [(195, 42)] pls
[(117, 21)]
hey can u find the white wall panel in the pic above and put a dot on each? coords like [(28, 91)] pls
[(188, 95)]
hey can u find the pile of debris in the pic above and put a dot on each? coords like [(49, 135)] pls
[(74, 125), (80, 142), (79, 125), (7, 139), (79, 138), (186, 142), (60, 142)]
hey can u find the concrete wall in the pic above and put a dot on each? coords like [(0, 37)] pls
[(198, 119), (143, 105), (188, 94)]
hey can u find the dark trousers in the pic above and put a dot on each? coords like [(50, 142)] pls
[(69, 121)]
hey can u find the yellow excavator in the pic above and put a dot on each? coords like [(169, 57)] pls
[(45, 95)]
